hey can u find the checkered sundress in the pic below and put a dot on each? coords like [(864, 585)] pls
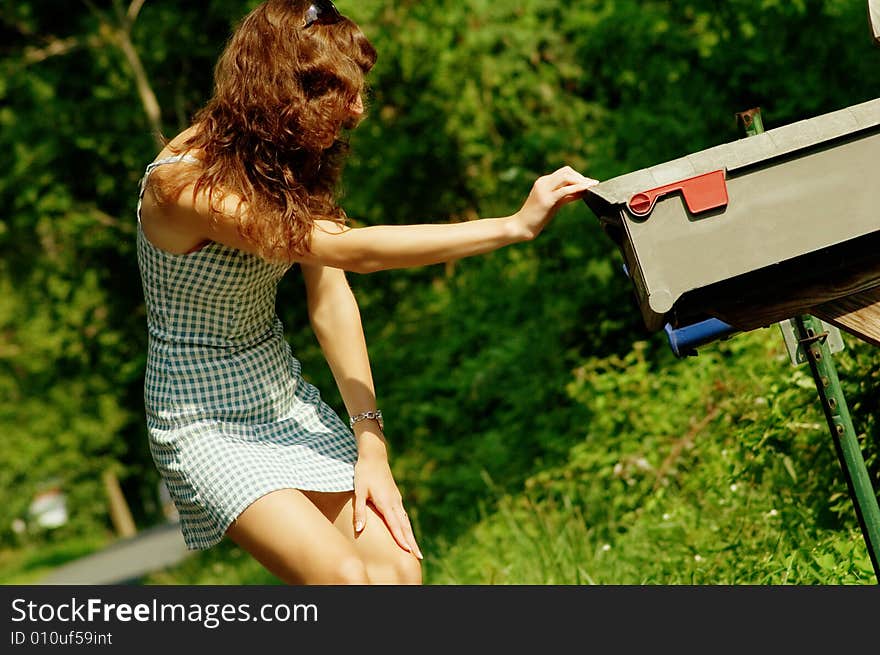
[(229, 416)]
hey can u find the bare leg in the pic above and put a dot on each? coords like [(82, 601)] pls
[(289, 535), (385, 560)]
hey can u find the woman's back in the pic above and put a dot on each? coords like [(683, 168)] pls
[(216, 295)]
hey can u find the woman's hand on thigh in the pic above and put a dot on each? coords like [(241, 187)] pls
[(374, 483)]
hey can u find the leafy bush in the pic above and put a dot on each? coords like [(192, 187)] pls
[(713, 470)]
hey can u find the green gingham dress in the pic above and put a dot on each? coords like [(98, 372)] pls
[(229, 416)]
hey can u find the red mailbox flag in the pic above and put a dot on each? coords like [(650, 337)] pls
[(701, 194)]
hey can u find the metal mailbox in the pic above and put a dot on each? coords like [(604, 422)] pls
[(754, 231)]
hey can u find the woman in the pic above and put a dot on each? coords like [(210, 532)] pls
[(246, 447)]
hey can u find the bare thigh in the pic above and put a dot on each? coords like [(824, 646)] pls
[(286, 532), (385, 560)]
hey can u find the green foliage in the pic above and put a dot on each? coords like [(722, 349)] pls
[(528, 367), (685, 476)]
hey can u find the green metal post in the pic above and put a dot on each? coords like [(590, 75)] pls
[(812, 336), (846, 443)]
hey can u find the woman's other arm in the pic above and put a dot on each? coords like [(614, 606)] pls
[(336, 321)]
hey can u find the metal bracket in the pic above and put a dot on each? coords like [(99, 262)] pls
[(796, 347)]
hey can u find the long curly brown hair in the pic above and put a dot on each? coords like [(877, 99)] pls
[(271, 132)]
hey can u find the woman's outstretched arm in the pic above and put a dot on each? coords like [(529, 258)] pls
[(368, 249), (380, 247)]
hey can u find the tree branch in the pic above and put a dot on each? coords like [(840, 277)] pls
[(133, 10), (33, 55), (121, 34), (145, 91)]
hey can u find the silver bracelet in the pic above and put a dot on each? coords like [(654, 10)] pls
[(376, 416)]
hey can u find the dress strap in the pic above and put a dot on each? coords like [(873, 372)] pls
[(151, 167)]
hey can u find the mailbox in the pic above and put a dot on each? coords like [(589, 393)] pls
[(753, 231)]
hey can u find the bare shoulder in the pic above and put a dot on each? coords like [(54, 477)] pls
[(179, 221), (172, 174), (166, 182), (167, 218)]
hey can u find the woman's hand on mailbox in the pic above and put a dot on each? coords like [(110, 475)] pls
[(549, 193)]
